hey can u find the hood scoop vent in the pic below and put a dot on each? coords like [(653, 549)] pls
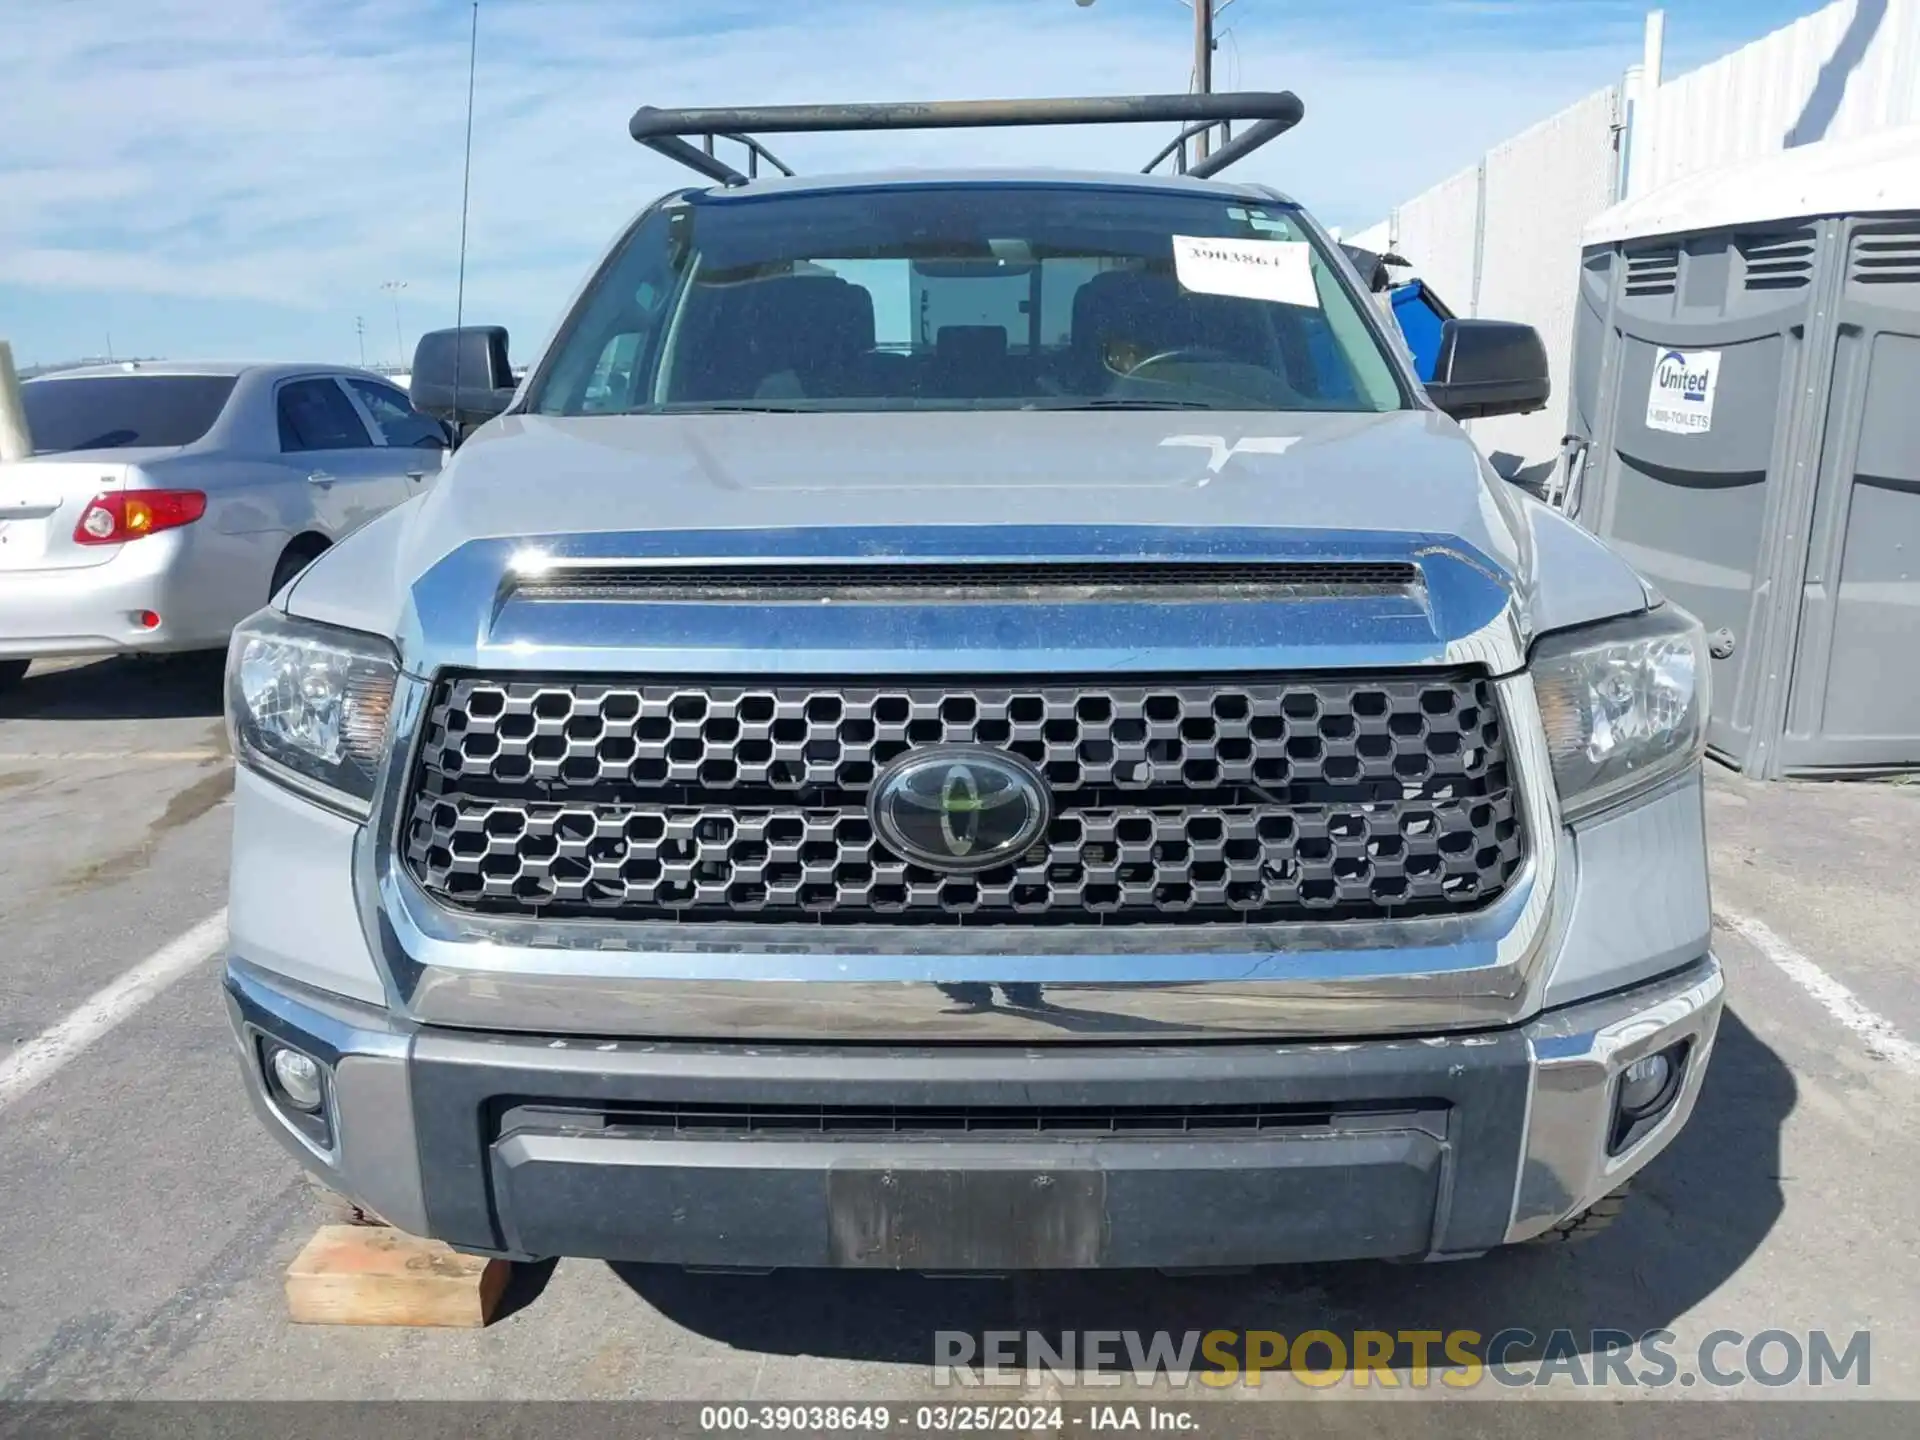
[(894, 582)]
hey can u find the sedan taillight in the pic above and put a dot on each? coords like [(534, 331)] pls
[(123, 515)]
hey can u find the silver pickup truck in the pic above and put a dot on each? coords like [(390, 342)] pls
[(972, 721)]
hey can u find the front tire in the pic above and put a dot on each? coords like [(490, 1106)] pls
[(1580, 1228), (333, 1208), (295, 558)]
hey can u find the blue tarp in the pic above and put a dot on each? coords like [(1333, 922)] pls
[(1420, 314)]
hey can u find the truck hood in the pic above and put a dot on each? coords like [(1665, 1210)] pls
[(1400, 471), (1048, 485)]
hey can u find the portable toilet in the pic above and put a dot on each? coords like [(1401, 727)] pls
[(1746, 430)]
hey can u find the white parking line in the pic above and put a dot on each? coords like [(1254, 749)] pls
[(101, 1011), (1876, 1032), (24, 757)]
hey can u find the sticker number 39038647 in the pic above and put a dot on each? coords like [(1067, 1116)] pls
[(1280, 270)]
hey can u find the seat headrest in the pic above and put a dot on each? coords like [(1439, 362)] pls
[(825, 312), (970, 342), (735, 336), (1151, 311), (1132, 305)]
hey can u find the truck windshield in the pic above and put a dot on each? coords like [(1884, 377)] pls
[(112, 412), (970, 297)]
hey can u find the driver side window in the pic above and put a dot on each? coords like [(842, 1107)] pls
[(400, 424), (608, 359)]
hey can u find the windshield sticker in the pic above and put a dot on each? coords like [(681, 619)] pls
[(1680, 395), (1259, 220), (1269, 225), (1279, 270)]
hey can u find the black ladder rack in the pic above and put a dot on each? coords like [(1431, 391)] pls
[(671, 132)]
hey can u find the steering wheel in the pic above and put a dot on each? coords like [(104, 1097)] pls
[(1202, 353)]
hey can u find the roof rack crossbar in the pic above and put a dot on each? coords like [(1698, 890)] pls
[(695, 159), (756, 152), (667, 132), (701, 159), (1177, 147), (1239, 147)]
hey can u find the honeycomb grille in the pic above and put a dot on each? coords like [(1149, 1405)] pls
[(1189, 802)]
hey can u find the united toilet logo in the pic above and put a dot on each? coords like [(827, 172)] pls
[(1680, 396), (1673, 374)]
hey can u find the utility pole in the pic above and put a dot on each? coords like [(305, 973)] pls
[(360, 333), (393, 288), (1204, 14), (1203, 65)]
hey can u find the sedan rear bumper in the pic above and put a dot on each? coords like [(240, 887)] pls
[(97, 609)]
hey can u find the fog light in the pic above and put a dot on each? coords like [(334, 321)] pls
[(1644, 1083), (147, 619), (298, 1077), (1645, 1093)]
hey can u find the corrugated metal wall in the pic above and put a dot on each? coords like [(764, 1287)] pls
[(1377, 237), (1844, 71), (1442, 229), (1502, 239), (1542, 188)]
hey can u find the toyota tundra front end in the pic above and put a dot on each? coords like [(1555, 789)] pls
[(974, 722)]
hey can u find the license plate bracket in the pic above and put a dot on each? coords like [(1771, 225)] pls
[(928, 1218)]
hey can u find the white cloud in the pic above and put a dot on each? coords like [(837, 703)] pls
[(300, 153)]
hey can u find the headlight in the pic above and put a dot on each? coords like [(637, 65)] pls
[(307, 705), (1625, 704)]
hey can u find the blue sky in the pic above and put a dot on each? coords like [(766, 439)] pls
[(189, 182)]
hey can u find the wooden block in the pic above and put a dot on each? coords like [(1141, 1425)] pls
[(371, 1275)]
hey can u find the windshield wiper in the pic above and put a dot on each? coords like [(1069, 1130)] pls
[(748, 407), (1110, 403)]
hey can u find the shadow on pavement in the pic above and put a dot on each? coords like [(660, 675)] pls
[(525, 1285), (165, 687), (1698, 1212)]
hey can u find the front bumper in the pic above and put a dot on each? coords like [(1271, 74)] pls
[(528, 1146)]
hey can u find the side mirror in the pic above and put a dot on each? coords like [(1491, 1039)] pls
[(477, 354), (1489, 367)]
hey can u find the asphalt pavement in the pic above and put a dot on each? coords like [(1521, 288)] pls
[(146, 1222)]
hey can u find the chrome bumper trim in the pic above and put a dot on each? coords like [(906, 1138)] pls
[(375, 1157), (1578, 1053)]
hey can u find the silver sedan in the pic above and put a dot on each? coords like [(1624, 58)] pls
[(163, 503)]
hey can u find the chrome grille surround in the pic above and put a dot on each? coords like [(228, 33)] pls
[(1254, 801)]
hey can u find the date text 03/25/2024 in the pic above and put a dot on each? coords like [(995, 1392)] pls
[(936, 1419)]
